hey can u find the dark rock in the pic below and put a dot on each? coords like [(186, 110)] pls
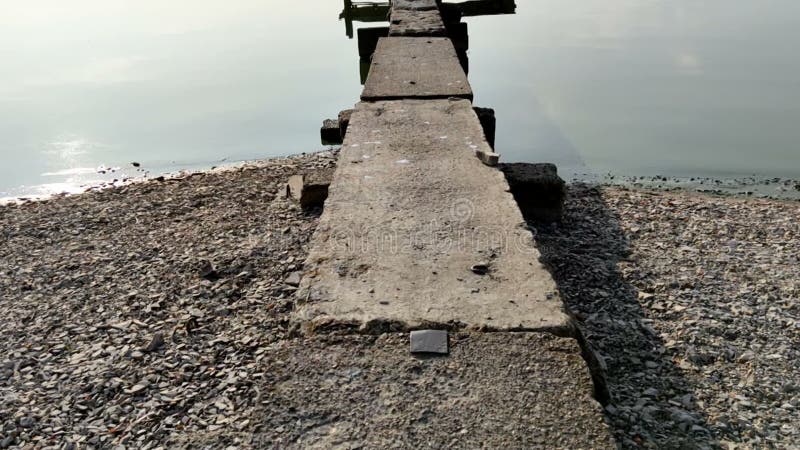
[(156, 342), (136, 164), (480, 268), (293, 279), (207, 270)]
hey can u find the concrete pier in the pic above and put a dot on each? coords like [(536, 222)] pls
[(411, 211), (420, 232), (405, 67)]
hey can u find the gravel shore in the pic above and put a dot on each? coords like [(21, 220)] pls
[(693, 302), (140, 316)]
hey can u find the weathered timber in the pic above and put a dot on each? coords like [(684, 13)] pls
[(423, 68)]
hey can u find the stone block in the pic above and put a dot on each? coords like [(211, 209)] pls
[(330, 134), (538, 190), (310, 189), (487, 157)]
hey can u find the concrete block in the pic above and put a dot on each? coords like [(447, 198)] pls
[(416, 23), (310, 189), (368, 40), (406, 67), (538, 190), (330, 134), (344, 121), (488, 122), (429, 341), (489, 158), (415, 5)]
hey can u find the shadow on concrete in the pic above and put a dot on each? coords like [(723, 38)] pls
[(650, 402)]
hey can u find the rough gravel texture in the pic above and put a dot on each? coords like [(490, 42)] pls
[(693, 302), (495, 390), (155, 315), (129, 314)]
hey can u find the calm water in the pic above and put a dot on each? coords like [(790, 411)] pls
[(675, 87)]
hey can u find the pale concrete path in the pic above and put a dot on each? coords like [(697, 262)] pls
[(410, 211), (407, 67)]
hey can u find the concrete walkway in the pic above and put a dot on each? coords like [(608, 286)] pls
[(418, 233), (410, 213)]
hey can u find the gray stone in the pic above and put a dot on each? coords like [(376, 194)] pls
[(409, 212), (429, 341), (293, 279), (538, 190), (415, 68), (156, 342), (310, 189)]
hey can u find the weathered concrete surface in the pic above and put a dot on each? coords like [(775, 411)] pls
[(415, 5), (409, 212), (404, 22), (495, 390), (415, 68)]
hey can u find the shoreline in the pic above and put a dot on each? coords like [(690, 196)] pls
[(763, 187)]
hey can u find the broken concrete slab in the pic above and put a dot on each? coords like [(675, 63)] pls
[(344, 121), (488, 122), (410, 211), (538, 190), (415, 68), (429, 341), (310, 189), (495, 390), (404, 22), (489, 158), (329, 133), (415, 5)]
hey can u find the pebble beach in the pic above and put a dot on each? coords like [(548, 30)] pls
[(144, 316)]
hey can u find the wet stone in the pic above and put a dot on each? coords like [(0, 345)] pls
[(429, 341)]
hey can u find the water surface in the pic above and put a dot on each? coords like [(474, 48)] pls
[(672, 87)]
